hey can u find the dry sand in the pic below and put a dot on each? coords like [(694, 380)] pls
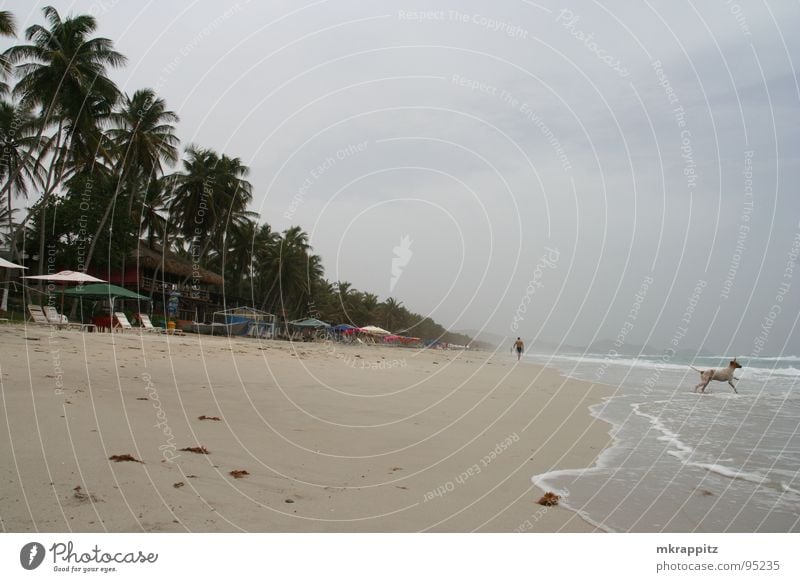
[(333, 438)]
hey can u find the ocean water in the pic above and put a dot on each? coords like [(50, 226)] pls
[(686, 462)]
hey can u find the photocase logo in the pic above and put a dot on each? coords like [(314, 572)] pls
[(402, 255), (31, 555)]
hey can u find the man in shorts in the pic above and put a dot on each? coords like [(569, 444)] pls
[(519, 346)]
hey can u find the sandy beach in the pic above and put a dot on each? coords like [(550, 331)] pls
[(332, 438)]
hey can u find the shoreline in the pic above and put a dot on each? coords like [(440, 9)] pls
[(333, 437), (685, 462)]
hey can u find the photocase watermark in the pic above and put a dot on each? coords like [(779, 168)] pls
[(569, 20), (169, 449), (679, 114), (68, 559), (783, 289), (531, 115), (31, 555), (549, 260), (627, 326), (318, 171), (487, 22), (473, 470), (356, 362), (738, 14), (58, 369), (527, 111), (493, 24), (195, 248), (202, 35), (102, 6), (402, 256), (52, 341), (744, 227), (83, 222)]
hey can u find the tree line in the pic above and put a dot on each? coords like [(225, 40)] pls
[(109, 172)]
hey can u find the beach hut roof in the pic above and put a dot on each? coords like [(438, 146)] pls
[(169, 262)]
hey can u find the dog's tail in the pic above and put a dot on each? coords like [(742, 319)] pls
[(695, 369)]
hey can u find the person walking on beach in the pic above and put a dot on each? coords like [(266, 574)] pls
[(519, 346)]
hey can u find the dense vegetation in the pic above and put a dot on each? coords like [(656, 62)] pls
[(104, 165)]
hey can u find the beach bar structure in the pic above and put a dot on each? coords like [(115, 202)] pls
[(163, 276)]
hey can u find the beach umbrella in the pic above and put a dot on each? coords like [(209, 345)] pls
[(104, 291), (374, 330), (66, 277), (4, 264), (9, 265)]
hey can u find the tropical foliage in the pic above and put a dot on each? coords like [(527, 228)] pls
[(104, 166)]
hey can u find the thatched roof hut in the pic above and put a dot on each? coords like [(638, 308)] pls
[(168, 262)]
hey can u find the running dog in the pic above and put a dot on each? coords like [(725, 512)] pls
[(718, 374)]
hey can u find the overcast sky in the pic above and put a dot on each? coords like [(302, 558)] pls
[(564, 171)]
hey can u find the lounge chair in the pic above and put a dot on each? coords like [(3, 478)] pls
[(121, 321), (55, 318), (145, 322), (37, 315)]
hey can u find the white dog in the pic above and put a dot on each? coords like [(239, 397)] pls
[(718, 374)]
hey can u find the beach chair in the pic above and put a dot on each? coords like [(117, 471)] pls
[(147, 325), (121, 321), (55, 318), (37, 315)]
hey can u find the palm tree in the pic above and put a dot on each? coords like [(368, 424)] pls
[(236, 260), (63, 72), (288, 273), (154, 223), (393, 313), (188, 192), (19, 167), (143, 135), (368, 308), (142, 139), (8, 27), (234, 193), (209, 193)]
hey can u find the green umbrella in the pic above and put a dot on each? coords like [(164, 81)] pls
[(104, 291)]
